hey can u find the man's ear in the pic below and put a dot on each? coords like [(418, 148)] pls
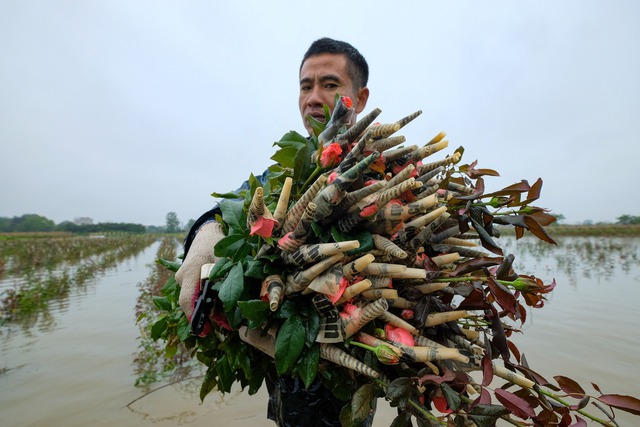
[(363, 96)]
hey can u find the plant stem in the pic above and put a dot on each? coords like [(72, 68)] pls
[(313, 176), (580, 411), (426, 413)]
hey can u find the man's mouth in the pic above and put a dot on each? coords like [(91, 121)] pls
[(318, 116)]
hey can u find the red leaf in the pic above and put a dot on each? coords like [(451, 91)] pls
[(483, 399), (566, 419), (534, 193), (620, 401), (522, 310), (537, 229), (579, 422), (513, 190), (437, 379), (487, 370), (533, 375), (595, 386), (544, 218), (441, 404), (475, 301), (581, 404), (505, 299), (476, 264), (514, 350), (517, 405), (570, 387)]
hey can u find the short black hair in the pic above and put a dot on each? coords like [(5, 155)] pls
[(357, 66)]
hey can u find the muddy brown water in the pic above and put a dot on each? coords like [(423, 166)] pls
[(75, 368)]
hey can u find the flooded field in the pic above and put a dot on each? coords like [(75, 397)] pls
[(77, 361)]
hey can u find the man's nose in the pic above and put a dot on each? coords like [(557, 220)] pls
[(315, 97)]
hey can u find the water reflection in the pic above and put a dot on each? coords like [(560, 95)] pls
[(49, 274), (575, 257), (80, 372)]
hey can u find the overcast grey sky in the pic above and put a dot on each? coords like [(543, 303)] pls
[(125, 110)]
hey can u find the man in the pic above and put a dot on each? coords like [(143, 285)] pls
[(329, 67)]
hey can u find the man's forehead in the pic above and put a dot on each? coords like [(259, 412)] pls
[(324, 64)]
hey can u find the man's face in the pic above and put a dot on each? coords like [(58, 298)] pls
[(321, 77)]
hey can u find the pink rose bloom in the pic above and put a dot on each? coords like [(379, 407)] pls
[(399, 335), (263, 227), (343, 285), (331, 155), (407, 314), (332, 177), (347, 309)]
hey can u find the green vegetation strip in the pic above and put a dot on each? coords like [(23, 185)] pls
[(48, 269)]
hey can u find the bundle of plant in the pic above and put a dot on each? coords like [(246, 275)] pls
[(376, 267)]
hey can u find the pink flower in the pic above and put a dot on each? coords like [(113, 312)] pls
[(347, 101), (399, 335), (287, 242), (331, 155), (343, 285), (367, 211), (407, 314), (347, 309), (332, 177), (263, 227)]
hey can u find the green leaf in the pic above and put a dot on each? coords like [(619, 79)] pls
[(289, 344), (487, 415), (162, 303), (286, 156), (169, 265), (232, 213), (255, 381), (158, 328), (316, 125), (399, 391), (254, 269), (234, 246), (170, 287), (183, 329), (220, 269), (286, 310), (303, 164), (231, 288), (313, 327), (292, 138), (308, 366), (253, 184), (402, 420), (453, 397), (227, 195), (363, 402), (225, 374), (170, 351), (209, 383), (255, 310)]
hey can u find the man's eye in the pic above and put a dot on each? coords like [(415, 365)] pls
[(305, 88), (331, 86)]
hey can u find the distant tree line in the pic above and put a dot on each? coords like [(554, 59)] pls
[(628, 219), (102, 227), (621, 220), (30, 223)]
